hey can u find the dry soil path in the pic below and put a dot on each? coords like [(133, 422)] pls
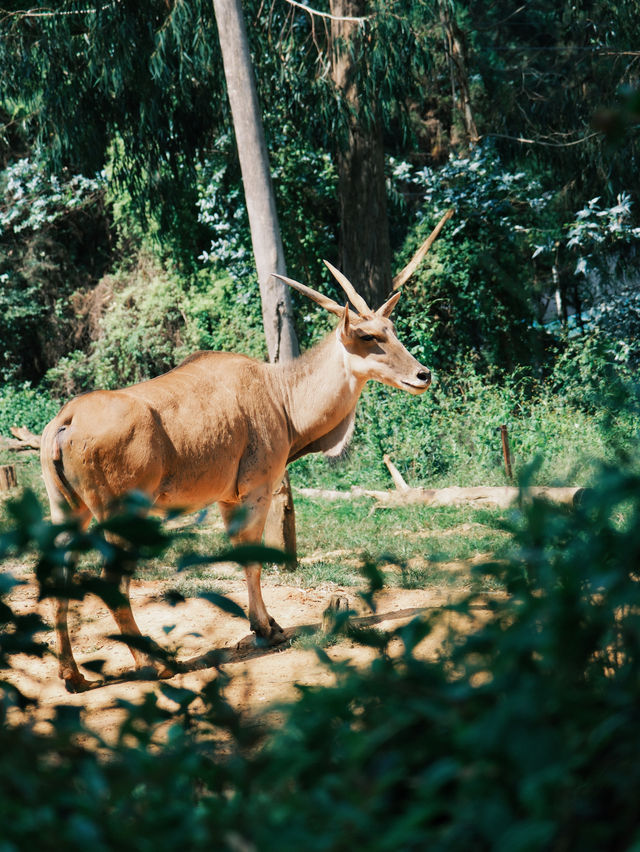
[(260, 677)]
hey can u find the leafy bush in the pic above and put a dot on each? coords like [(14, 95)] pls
[(22, 405), (601, 245), (594, 372), (33, 199), (53, 233), (148, 320), (476, 285), (305, 186), (520, 734)]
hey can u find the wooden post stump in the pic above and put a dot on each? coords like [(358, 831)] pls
[(8, 478), (338, 604)]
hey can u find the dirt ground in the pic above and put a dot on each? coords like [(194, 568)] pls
[(261, 677)]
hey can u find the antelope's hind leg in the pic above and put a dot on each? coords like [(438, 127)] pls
[(68, 669), (256, 506), (124, 618)]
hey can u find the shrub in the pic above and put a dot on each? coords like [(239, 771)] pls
[(476, 285), (520, 734), (22, 405), (148, 320), (53, 238)]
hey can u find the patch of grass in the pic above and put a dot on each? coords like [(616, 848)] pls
[(335, 572), (420, 540), (448, 577), (421, 546), (312, 639), (196, 533), (419, 543)]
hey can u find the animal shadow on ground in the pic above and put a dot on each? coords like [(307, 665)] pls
[(248, 648)]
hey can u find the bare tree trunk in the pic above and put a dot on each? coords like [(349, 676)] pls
[(365, 251), (282, 344), (459, 70)]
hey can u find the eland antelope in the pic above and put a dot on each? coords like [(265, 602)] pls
[(219, 428)]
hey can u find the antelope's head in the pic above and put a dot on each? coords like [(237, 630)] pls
[(368, 338)]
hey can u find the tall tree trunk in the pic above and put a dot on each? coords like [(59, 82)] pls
[(456, 50), (282, 344), (365, 251)]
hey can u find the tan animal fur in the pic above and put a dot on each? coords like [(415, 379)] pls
[(218, 428)]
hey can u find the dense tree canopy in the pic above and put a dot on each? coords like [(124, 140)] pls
[(125, 245), (537, 105)]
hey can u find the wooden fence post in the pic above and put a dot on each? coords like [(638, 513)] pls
[(505, 450)]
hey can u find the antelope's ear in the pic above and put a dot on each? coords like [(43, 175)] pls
[(345, 324), (389, 305)]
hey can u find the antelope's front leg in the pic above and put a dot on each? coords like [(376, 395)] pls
[(256, 506), (263, 625)]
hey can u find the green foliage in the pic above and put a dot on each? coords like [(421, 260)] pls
[(583, 411), (23, 405), (524, 727), (520, 734), (476, 285), (419, 543), (595, 373), (394, 50), (155, 118), (597, 251), (32, 199), (578, 56), (149, 321), (160, 99), (305, 186), (52, 241)]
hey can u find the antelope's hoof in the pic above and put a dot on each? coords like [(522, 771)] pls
[(277, 634), (273, 635), (76, 682), (165, 673)]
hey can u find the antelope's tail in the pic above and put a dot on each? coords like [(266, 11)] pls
[(52, 461)]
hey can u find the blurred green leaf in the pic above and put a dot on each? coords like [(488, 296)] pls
[(223, 603)]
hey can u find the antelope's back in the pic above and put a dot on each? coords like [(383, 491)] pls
[(200, 433)]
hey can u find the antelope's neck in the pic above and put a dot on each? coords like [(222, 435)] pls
[(319, 391)]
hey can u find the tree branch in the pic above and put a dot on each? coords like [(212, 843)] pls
[(539, 141), (313, 12)]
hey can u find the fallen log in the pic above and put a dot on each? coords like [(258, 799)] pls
[(13, 445), (23, 440), (502, 496), (21, 433)]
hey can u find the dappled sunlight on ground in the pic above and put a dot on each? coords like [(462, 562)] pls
[(260, 677)]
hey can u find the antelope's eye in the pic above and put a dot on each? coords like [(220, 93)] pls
[(367, 337)]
